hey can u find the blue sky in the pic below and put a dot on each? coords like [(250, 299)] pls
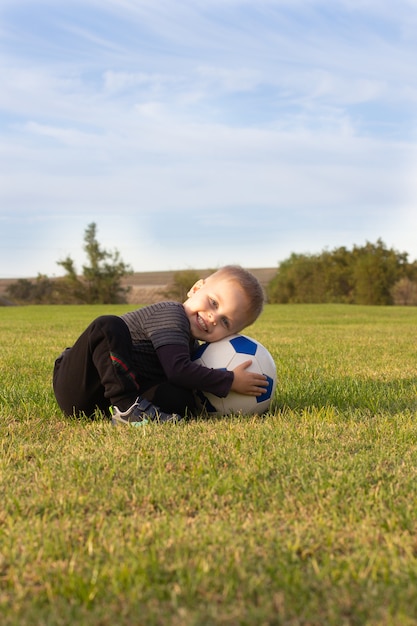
[(196, 133)]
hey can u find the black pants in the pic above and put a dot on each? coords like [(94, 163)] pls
[(97, 372)]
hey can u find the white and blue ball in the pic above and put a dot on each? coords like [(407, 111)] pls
[(227, 354)]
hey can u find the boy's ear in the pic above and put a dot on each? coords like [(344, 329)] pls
[(195, 287)]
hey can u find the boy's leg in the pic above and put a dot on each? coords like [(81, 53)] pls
[(173, 399), (96, 372)]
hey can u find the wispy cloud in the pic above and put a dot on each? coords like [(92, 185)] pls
[(291, 121)]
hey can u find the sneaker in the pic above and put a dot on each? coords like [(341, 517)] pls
[(140, 413)]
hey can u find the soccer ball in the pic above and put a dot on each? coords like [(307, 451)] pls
[(227, 354)]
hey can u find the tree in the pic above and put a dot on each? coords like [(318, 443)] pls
[(181, 285), (21, 291), (376, 270), (315, 278), (404, 292), (41, 291), (101, 280), (364, 275)]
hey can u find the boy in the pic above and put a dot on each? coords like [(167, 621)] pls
[(138, 366)]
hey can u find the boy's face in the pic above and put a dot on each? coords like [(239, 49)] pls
[(216, 308)]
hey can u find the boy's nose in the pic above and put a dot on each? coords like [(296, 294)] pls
[(212, 318)]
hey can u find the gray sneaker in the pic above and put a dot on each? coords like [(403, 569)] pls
[(141, 412)]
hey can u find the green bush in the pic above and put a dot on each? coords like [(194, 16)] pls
[(363, 275)]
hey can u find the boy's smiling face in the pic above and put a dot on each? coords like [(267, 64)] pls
[(216, 308)]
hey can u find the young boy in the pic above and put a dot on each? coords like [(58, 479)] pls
[(138, 366)]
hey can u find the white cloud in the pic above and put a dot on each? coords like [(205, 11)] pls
[(189, 116)]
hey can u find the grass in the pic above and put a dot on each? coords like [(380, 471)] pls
[(306, 516)]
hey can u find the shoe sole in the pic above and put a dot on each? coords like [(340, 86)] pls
[(119, 422)]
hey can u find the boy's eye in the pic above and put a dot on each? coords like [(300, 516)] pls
[(213, 302), (225, 322)]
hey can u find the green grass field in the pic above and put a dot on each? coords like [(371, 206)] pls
[(305, 516)]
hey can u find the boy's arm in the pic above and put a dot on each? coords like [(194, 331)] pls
[(180, 370)]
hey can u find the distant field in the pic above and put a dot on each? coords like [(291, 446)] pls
[(149, 286), (306, 516)]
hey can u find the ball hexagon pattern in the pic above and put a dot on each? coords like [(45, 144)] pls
[(227, 354)]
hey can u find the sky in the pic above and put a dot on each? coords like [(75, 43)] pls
[(197, 133)]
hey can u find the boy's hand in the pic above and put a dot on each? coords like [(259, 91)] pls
[(248, 383)]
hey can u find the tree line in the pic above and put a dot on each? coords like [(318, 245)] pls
[(370, 274), (99, 282)]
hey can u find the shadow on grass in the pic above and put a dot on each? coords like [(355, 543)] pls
[(349, 393)]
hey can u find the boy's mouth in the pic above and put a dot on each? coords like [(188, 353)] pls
[(201, 323)]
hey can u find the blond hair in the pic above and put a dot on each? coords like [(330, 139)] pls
[(249, 284)]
